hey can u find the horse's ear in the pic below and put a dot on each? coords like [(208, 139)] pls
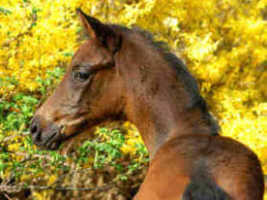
[(100, 31)]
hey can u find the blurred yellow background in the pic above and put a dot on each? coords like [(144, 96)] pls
[(223, 43)]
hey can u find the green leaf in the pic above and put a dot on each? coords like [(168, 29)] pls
[(5, 11)]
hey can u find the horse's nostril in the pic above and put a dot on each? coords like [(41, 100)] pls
[(35, 128)]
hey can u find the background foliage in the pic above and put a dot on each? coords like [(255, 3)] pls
[(223, 43)]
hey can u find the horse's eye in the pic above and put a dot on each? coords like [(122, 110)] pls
[(81, 76)]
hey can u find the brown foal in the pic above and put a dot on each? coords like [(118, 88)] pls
[(120, 73)]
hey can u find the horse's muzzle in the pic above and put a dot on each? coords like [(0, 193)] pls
[(48, 136)]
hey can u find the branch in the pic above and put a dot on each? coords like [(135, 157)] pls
[(17, 188), (20, 35)]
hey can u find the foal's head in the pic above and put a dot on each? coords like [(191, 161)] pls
[(90, 91), (120, 72)]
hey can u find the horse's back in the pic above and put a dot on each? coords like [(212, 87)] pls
[(201, 167), (236, 169)]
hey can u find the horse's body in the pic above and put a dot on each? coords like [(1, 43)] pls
[(202, 167), (121, 74)]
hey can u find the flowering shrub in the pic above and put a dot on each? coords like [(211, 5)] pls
[(222, 42)]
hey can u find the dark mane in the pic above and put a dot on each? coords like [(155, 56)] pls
[(182, 72)]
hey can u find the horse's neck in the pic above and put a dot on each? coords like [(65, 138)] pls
[(159, 123), (157, 103)]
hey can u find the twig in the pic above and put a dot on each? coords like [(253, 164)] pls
[(8, 197), (17, 37), (10, 137), (6, 188)]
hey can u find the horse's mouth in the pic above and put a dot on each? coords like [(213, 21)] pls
[(52, 137), (54, 145), (51, 142), (54, 142)]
